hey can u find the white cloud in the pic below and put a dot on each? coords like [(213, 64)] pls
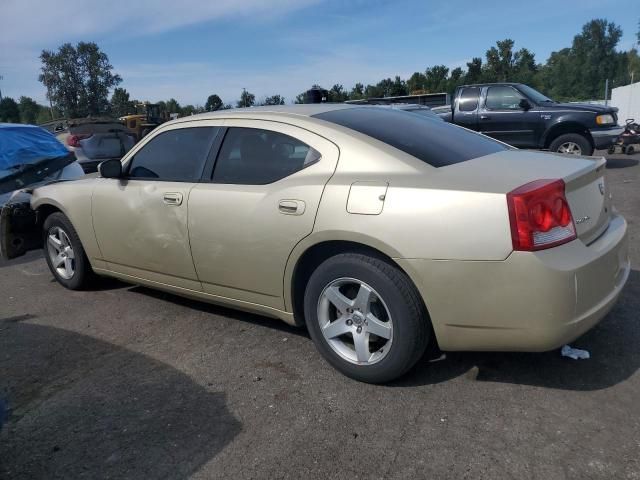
[(43, 23)]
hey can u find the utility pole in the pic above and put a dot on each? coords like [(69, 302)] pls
[(606, 92)]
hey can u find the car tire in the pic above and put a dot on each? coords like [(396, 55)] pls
[(64, 253), (384, 303), (572, 143)]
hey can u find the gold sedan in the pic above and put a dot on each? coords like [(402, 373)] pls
[(380, 230)]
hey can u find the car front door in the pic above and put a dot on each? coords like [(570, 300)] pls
[(504, 119), (140, 220), (261, 200)]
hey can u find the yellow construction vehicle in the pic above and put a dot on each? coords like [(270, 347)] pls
[(146, 118)]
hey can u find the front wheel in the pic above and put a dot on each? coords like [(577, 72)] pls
[(365, 317), (64, 253), (571, 144)]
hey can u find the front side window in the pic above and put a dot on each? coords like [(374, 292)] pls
[(176, 155), (468, 100), (503, 98), (251, 156)]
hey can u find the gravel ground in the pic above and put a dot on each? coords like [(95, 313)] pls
[(126, 382)]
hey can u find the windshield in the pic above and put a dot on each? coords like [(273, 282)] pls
[(534, 95)]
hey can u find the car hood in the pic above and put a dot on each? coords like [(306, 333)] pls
[(14, 183), (595, 108)]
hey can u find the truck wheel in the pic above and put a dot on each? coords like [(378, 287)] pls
[(572, 144), (365, 317)]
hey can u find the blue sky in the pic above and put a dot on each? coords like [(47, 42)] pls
[(188, 49)]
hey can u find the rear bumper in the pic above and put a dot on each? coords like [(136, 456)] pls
[(605, 137), (530, 301)]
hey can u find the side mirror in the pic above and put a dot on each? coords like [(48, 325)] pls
[(110, 168), (524, 104)]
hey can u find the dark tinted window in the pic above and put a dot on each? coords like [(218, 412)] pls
[(468, 100), (250, 156), (503, 98), (176, 155), (431, 140)]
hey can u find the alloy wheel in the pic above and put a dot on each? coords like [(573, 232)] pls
[(355, 321), (570, 148), (61, 252)]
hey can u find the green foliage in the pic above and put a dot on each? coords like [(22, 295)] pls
[(273, 100), (120, 103), (9, 111), (246, 100), (172, 106), (213, 103), (78, 79), (29, 110)]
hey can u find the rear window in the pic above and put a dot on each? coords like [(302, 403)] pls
[(431, 140)]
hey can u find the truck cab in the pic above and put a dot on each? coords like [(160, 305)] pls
[(521, 116)]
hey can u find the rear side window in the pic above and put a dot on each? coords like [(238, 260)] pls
[(468, 100), (252, 156), (431, 140), (176, 155)]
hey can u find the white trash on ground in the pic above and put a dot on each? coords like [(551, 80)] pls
[(575, 353)]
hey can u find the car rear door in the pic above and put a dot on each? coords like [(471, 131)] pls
[(502, 117), (140, 220), (258, 202), (466, 108)]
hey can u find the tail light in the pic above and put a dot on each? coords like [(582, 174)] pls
[(74, 140), (540, 215)]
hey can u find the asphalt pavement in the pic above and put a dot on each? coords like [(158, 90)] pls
[(127, 382)]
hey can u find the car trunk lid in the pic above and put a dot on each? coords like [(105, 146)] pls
[(586, 188)]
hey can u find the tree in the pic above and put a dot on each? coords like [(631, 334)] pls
[(172, 106), (78, 79), (417, 83), (357, 92), (246, 100), (436, 79), (500, 61), (273, 100), (29, 110), (120, 103), (338, 94), (9, 111), (474, 71), (213, 103)]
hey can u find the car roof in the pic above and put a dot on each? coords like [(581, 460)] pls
[(304, 110), (490, 84)]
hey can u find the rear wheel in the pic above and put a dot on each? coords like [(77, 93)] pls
[(64, 253), (571, 144), (365, 317)]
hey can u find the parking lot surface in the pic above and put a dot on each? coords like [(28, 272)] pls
[(127, 382)]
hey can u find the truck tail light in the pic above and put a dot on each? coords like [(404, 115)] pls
[(74, 140), (540, 216)]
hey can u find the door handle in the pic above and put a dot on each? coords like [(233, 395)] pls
[(291, 207), (172, 198), (485, 117)]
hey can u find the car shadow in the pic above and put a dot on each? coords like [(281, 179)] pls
[(613, 345), (84, 408), (621, 162)]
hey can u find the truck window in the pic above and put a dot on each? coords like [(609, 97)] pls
[(468, 100), (503, 98)]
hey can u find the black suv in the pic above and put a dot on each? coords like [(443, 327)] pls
[(523, 117)]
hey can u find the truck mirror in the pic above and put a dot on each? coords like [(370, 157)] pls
[(524, 104)]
